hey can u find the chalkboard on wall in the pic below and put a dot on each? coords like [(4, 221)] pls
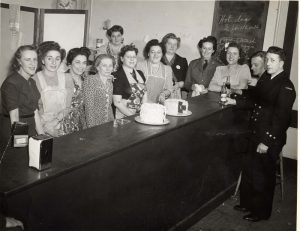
[(241, 21)]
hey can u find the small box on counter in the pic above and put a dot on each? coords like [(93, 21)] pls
[(40, 151), (19, 132)]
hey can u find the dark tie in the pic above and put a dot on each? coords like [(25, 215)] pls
[(204, 65), (134, 76)]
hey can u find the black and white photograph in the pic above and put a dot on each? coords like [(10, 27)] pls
[(149, 115)]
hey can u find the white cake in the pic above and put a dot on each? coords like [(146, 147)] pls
[(175, 106), (153, 113)]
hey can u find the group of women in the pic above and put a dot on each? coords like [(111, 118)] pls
[(58, 103)]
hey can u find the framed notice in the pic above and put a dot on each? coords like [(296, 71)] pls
[(67, 27), (241, 21)]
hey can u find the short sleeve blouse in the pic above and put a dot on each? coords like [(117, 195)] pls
[(17, 92), (240, 77)]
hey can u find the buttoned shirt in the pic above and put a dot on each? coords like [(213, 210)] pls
[(272, 101), (196, 74)]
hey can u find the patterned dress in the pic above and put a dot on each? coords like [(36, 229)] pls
[(97, 100), (75, 120), (137, 93)]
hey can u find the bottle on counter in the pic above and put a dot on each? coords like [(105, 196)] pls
[(223, 94), (228, 86)]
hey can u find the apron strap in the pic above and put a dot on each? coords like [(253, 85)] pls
[(148, 69), (164, 73), (42, 81), (61, 80)]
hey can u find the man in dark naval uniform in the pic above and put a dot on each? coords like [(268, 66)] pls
[(272, 100)]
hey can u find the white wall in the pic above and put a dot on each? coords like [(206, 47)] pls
[(191, 20)]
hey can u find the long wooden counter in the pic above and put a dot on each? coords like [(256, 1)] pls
[(133, 177)]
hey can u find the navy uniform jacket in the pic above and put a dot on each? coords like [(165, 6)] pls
[(272, 101)]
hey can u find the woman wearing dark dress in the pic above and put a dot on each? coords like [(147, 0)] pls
[(19, 93), (201, 71), (178, 64), (129, 86)]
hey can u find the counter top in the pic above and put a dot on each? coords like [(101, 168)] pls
[(80, 148)]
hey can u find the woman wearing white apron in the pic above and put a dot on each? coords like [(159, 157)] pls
[(158, 76), (55, 87)]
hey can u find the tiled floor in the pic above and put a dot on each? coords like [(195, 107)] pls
[(283, 218)]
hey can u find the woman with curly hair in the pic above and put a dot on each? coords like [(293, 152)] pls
[(129, 86), (97, 92), (113, 47), (237, 73), (56, 88), (75, 120), (19, 93), (158, 76)]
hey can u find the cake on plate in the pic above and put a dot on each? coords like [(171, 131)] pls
[(153, 113), (175, 106)]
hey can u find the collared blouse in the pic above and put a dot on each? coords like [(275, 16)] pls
[(196, 74)]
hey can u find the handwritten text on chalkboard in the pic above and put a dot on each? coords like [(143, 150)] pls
[(241, 22)]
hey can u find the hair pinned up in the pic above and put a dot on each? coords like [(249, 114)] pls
[(115, 28), (170, 36), (210, 39), (151, 43), (47, 46), (14, 63), (100, 58), (126, 48), (73, 53)]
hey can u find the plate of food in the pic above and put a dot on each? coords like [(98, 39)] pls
[(177, 107), (187, 113), (152, 114), (138, 119)]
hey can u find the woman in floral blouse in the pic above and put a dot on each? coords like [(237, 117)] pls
[(97, 92), (77, 59)]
